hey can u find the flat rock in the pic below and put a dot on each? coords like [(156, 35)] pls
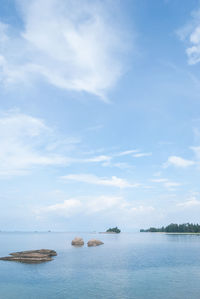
[(31, 256), (31, 252), (77, 242), (94, 242)]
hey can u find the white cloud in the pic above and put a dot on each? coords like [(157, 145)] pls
[(67, 208), (178, 162), (95, 180), (139, 155), (191, 33), (193, 51), (191, 202), (91, 205), (108, 160), (75, 45), (134, 153), (23, 144), (27, 142), (85, 204), (126, 153), (166, 183), (102, 158)]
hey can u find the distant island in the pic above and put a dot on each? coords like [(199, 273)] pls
[(113, 230), (175, 228)]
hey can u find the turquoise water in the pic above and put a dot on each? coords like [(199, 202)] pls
[(136, 266)]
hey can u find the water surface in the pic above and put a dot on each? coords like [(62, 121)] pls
[(127, 266)]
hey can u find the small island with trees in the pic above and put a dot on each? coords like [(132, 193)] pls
[(115, 230), (175, 228)]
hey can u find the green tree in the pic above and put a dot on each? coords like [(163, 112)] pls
[(113, 230)]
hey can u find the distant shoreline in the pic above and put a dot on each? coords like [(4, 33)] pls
[(174, 228), (107, 233), (172, 233)]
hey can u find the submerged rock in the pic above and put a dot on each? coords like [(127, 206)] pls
[(31, 256), (94, 242), (77, 242)]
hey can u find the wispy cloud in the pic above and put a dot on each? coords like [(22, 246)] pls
[(126, 153), (166, 183), (139, 155), (191, 34), (24, 142), (27, 142), (136, 153), (178, 162), (72, 44), (191, 202), (101, 158), (114, 159), (95, 180)]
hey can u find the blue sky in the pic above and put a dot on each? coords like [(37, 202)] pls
[(100, 114)]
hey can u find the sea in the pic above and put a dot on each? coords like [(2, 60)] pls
[(127, 266)]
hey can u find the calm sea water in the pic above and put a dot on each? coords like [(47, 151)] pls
[(136, 266)]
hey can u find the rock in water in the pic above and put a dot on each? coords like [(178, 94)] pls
[(40, 251), (31, 256), (77, 242), (94, 242)]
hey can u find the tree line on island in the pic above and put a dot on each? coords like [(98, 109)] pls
[(113, 230), (175, 228)]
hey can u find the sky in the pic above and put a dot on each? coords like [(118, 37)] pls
[(99, 114)]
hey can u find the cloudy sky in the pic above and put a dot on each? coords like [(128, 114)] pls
[(99, 114)]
